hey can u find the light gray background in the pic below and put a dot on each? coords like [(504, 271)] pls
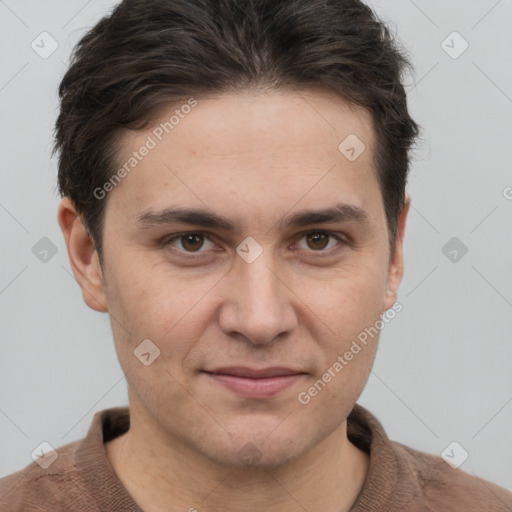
[(443, 368)]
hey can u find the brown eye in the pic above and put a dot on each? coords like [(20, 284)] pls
[(188, 243), (317, 240), (192, 242), (320, 241)]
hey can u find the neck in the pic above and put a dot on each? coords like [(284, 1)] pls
[(168, 476)]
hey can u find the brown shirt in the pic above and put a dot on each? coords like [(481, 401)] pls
[(399, 478)]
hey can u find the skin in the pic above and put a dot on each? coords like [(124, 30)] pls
[(254, 158)]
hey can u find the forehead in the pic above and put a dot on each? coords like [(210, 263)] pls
[(230, 123), (281, 146)]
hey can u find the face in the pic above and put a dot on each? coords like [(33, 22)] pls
[(253, 301)]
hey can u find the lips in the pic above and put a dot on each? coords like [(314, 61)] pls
[(250, 373), (255, 383)]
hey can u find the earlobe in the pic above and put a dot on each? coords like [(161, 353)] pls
[(82, 255), (396, 264)]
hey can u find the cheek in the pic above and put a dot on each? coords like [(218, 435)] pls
[(147, 302), (148, 295), (349, 301), (349, 310)]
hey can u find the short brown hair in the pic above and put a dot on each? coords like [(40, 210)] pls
[(151, 53)]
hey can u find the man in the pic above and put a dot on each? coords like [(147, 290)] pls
[(233, 178)]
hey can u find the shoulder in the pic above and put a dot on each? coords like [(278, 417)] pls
[(402, 478), (449, 489), (36, 488)]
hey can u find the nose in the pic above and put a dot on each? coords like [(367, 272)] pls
[(258, 305)]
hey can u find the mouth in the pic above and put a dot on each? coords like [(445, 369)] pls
[(255, 383)]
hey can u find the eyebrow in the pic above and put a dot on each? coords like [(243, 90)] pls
[(340, 212)]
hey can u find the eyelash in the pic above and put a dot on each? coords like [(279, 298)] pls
[(168, 240)]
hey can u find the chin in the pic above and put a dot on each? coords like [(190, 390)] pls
[(252, 458), (266, 449)]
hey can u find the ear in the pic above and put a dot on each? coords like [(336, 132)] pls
[(396, 261), (82, 256)]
